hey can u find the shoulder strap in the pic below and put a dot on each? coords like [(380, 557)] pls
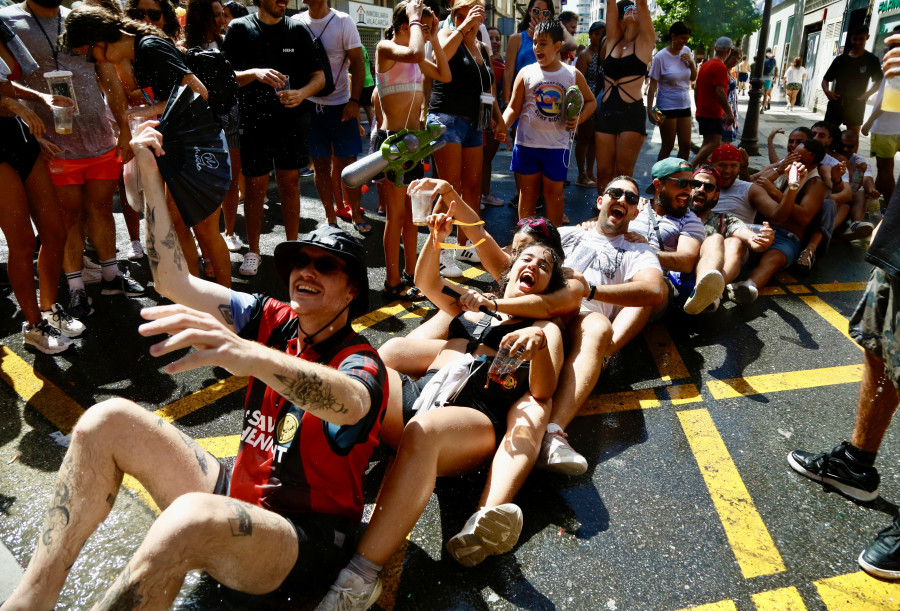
[(480, 329), (655, 222)]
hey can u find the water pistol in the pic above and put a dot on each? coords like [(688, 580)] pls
[(398, 154), (574, 102)]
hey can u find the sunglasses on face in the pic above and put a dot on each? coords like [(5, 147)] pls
[(630, 197), (706, 186), (685, 182), (139, 13), (540, 13), (536, 223), (323, 265)]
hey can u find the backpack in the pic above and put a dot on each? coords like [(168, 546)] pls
[(768, 66), (322, 54), (214, 71)]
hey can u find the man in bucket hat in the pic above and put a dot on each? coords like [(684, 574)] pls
[(314, 405)]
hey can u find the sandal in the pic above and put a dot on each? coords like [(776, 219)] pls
[(401, 292), (363, 227), (344, 213), (805, 261)]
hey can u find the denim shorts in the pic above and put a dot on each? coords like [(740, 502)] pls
[(787, 243), (328, 135), (460, 130)]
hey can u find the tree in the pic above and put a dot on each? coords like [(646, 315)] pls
[(709, 19)]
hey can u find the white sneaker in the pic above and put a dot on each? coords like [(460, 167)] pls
[(250, 265), (233, 242), (708, 289), (62, 320), (449, 268), (45, 337), (491, 200), (90, 271), (86, 263), (350, 593), (490, 530), (469, 256), (558, 456), (742, 293), (136, 251)]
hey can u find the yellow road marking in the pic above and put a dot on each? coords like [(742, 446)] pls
[(771, 290), (376, 316), (203, 397), (220, 447), (36, 390), (685, 393), (837, 287), (141, 492), (665, 354), (417, 313), (859, 592), (722, 605), (619, 402), (783, 599), (777, 382), (750, 541), (831, 315), (798, 289)]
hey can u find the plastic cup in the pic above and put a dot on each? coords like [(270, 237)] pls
[(287, 84), (421, 206), (62, 119), (55, 165), (891, 100), (504, 366)]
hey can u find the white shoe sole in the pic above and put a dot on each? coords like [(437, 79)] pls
[(707, 290), (569, 467), (853, 493), (37, 346), (883, 573), (496, 531)]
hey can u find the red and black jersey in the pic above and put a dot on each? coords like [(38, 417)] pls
[(291, 461)]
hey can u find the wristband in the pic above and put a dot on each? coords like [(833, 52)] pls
[(496, 307), (415, 22), (590, 296), (354, 100), (543, 339)]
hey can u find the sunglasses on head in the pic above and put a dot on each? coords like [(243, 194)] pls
[(139, 13), (89, 56), (538, 12), (535, 223), (617, 193), (323, 265), (685, 182)]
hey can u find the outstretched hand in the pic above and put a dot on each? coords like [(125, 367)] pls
[(148, 138)]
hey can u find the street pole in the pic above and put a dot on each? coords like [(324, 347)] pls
[(749, 137), (797, 33)]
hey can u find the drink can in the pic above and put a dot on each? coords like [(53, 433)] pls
[(793, 178)]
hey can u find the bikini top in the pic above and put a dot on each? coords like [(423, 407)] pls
[(400, 78), (483, 332), (617, 68)]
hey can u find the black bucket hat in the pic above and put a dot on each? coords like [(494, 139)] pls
[(342, 245)]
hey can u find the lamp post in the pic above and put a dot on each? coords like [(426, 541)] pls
[(750, 135)]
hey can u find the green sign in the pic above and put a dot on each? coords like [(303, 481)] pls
[(888, 5)]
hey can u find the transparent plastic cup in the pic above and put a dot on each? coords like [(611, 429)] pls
[(421, 206), (55, 165), (286, 86), (504, 366), (62, 119)]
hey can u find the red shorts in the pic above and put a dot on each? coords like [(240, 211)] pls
[(107, 166)]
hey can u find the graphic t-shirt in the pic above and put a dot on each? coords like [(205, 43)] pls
[(605, 261), (542, 123), (712, 74), (670, 229), (673, 80), (851, 74), (290, 461), (158, 67), (338, 34)]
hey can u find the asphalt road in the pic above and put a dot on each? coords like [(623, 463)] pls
[(688, 502)]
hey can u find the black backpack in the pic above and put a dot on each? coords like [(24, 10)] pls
[(328, 89), (214, 71)]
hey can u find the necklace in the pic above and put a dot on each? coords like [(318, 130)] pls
[(53, 50)]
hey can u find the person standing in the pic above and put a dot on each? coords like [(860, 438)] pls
[(671, 74), (793, 81), (491, 144), (265, 51), (731, 131), (334, 140), (711, 97), (743, 75), (770, 75), (588, 64), (852, 72)]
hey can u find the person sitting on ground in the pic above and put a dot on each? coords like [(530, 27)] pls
[(285, 513), (835, 172), (862, 182), (803, 200), (485, 419)]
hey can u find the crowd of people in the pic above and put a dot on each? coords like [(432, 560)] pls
[(320, 397)]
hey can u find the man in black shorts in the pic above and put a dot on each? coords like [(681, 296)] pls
[(711, 97), (852, 71), (277, 68), (310, 372)]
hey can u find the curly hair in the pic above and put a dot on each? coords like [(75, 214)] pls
[(557, 276), (172, 28), (88, 25), (200, 23)]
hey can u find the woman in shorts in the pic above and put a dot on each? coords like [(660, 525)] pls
[(670, 84), (793, 81)]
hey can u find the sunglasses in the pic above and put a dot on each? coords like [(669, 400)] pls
[(139, 13), (685, 182), (536, 223), (630, 197), (539, 13), (89, 56), (323, 265), (631, 8), (706, 186)]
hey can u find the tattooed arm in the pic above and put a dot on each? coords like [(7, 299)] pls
[(170, 272)]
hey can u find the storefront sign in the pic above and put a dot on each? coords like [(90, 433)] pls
[(369, 15), (888, 5)]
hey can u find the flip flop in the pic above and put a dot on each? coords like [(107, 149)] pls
[(363, 227), (344, 213), (335, 225)]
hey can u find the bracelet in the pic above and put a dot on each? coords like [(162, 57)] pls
[(354, 100), (590, 296), (496, 307), (543, 338), (415, 22)]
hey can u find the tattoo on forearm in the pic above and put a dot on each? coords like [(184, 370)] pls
[(199, 453), (225, 311), (152, 253), (241, 523), (171, 242), (123, 595), (57, 514), (311, 392)]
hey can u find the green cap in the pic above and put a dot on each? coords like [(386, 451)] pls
[(669, 166)]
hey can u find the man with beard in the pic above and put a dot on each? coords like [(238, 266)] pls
[(852, 71)]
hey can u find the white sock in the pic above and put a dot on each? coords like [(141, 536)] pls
[(109, 269), (75, 281)]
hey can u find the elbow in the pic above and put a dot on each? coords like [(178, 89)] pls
[(317, 82), (658, 294)]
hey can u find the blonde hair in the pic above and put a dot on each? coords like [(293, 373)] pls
[(797, 62), (458, 4)]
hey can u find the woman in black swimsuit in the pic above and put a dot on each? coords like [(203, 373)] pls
[(622, 120)]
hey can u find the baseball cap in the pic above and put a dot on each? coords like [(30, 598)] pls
[(725, 152), (669, 166), (724, 43), (596, 26), (339, 243)]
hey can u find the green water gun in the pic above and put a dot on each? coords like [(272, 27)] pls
[(398, 154)]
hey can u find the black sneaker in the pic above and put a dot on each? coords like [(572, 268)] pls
[(882, 556), (79, 304), (836, 470), (121, 285)]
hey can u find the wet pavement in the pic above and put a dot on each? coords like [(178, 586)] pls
[(688, 500)]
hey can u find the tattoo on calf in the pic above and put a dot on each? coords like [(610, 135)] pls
[(225, 311), (57, 514), (199, 453), (311, 392), (123, 595), (241, 523)]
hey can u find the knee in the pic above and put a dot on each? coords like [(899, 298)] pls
[(391, 352), (417, 441), (106, 421), (183, 530), (597, 331)]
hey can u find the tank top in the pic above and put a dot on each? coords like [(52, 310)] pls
[(542, 123), (399, 78), (735, 200), (525, 55), (462, 95)]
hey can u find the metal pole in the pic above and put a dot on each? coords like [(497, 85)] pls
[(749, 137), (797, 33)]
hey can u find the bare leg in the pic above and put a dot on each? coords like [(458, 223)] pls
[(684, 137), (554, 201), (884, 178), (627, 324), (253, 208), (411, 356), (490, 150), (325, 188), (843, 211), (472, 158), (213, 245), (529, 188), (394, 223), (712, 254), (71, 201), (45, 211), (448, 164), (185, 237), (288, 182), (735, 251), (628, 147), (667, 135), (15, 223), (436, 327), (98, 195), (230, 204), (710, 142), (606, 159), (878, 400), (772, 261), (350, 195), (858, 206)]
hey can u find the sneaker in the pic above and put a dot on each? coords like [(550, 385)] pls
[(250, 265), (742, 293), (882, 556), (490, 530), (706, 291), (305, 172), (233, 242), (858, 230), (79, 304), (449, 268), (713, 306), (469, 256), (45, 337), (558, 456), (837, 470), (62, 320), (491, 200), (90, 271), (349, 592), (121, 285), (135, 251)]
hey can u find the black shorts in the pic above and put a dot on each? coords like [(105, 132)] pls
[(677, 113), (18, 147), (708, 126), (615, 117), (365, 98), (415, 172), (279, 140), (845, 111)]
